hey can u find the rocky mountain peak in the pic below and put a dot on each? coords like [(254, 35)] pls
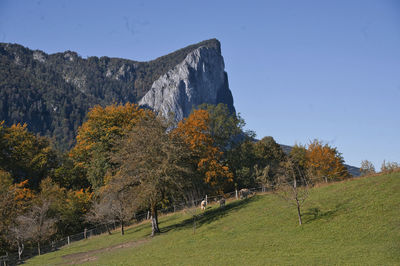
[(199, 78)]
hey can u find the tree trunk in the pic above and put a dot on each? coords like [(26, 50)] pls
[(194, 224), (38, 247), (154, 221), (108, 229), (122, 227), (20, 250), (298, 211)]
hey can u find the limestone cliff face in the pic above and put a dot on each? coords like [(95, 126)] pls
[(199, 78)]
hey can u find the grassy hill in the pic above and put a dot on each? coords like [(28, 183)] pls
[(351, 222)]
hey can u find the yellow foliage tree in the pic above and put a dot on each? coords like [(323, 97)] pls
[(98, 135), (24, 155), (325, 162)]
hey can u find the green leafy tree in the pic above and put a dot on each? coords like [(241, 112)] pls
[(226, 128), (269, 154), (242, 160), (298, 156)]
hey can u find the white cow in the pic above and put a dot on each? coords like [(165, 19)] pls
[(244, 193), (203, 204)]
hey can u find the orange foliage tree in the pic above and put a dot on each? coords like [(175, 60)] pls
[(195, 131), (325, 162), (98, 135)]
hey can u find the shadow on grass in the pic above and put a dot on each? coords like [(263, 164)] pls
[(314, 214), (209, 215)]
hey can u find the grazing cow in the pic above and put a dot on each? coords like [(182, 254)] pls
[(221, 202), (203, 204), (244, 193)]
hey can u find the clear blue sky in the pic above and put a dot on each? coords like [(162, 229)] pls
[(298, 70)]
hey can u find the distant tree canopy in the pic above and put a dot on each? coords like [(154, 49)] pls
[(367, 168), (389, 167)]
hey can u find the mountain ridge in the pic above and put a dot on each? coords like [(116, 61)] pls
[(53, 92)]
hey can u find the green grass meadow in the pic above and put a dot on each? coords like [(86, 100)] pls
[(355, 222)]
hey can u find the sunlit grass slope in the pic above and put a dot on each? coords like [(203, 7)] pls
[(351, 222)]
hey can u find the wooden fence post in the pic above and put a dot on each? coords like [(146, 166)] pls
[(236, 194), (84, 233), (69, 242), (206, 200)]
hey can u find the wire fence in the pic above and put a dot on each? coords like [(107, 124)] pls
[(31, 251)]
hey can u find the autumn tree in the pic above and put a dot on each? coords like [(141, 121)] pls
[(98, 136), (117, 201), (195, 130), (40, 219), (367, 168), (39, 225), (293, 185), (325, 162), (154, 162), (15, 199), (26, 156), (389, 167), (227, 131), (100, 213), (17, 235), (72, 211)]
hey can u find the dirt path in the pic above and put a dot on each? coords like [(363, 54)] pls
[(82, 257)]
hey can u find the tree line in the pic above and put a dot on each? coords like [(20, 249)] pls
[(127, 161)]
